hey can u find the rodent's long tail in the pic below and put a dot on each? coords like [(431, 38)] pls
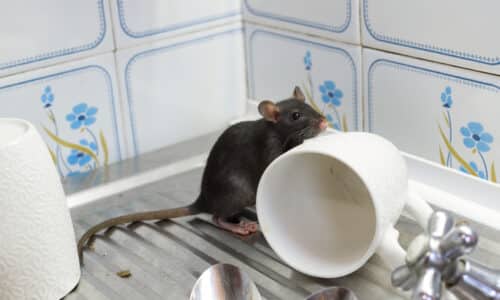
[(143, 216)]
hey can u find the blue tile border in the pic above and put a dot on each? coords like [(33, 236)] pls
[(340, 51), (107, 77), (421, 70), (337, 29), (424, 47), (141, 34), (151, 52), (64, 52)]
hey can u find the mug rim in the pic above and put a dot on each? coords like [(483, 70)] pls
[(378, 224), (17, 139)]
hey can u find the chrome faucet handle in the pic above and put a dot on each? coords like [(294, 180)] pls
[(474, 281), (432, 257)]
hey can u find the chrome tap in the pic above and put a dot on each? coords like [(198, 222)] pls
[(435, 259)]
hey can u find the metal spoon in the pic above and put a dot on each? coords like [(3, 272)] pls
[(228, 282), (224, 282), (333, 293)]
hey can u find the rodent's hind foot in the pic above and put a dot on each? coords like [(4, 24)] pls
[(249, 225), (241, 228)]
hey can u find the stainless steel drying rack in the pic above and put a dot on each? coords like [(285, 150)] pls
[(165, 258)]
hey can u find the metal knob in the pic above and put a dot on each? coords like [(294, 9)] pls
[(434, 260)]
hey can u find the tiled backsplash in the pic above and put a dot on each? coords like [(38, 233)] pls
[(109, 79), (181, 88), (104, 80), (444, 114), (40, 33), (458, 32), (328, 72), (139, 21), (75, 107), (338, 20)]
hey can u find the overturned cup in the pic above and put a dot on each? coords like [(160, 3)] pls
[(328, 205)]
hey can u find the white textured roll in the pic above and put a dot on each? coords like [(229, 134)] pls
[(38, 257)]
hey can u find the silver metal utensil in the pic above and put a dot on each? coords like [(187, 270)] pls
[(224, 282), (333, 293)]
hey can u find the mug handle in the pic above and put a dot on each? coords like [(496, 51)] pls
[(389, 249)]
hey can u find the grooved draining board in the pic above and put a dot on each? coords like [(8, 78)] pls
[(165, 258)]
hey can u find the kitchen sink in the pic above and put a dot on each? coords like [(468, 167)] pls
[(163, 259)]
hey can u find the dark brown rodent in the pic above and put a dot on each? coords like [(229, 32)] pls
[(236, 163)]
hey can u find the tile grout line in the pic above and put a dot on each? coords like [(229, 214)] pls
[(237, 19), (121, 108)]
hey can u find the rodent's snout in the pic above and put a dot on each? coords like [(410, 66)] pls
[(322, 124)]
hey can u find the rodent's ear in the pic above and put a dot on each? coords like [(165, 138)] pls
[(297, 94), (269, 111)]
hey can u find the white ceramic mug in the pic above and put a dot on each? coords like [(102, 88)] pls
[(328, 205), (38, 257)]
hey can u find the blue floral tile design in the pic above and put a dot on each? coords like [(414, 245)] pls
[(84, 155), (475, 139), (446, 97), (47, 97), (82, 115), (475, 168), (330, 95), (308, 60)]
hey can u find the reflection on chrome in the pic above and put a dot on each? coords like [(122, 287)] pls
[(224, 282)]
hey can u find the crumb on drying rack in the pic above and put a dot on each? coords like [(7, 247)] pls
[(124, 273)]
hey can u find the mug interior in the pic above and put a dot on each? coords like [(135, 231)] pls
[(317, 214), (11, 130)]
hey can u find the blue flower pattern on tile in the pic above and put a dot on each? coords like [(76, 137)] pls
[(83, 156), (78, 157), (446, 97), (47, 97), (330, 93), (474, 167), (308, 60), (474, 138), (447, 103), (91, 145), (330, 120), (82, 115)]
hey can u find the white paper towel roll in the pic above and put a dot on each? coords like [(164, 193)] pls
[(38, 257)]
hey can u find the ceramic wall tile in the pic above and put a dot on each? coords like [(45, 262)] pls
[(459, 32), (38, 33), (444, 114), (329, 73), (184, 87), (139, 21), (337, 19), (75, 108)]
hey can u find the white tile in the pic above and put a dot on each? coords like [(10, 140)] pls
[(459, 32), (184, 87), (337, 20), (52, 98), (408, 102), (38, 33), (276, 63), (147, 20)]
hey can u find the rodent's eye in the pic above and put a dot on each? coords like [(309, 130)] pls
[(296, 115)]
